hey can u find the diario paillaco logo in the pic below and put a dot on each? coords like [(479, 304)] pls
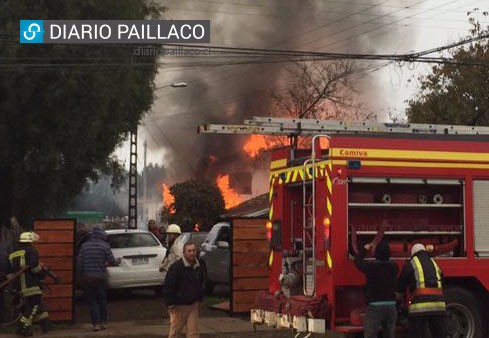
[(114, 31), (31, 31)]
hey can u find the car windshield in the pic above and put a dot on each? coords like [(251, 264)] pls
[(128, 240), (198, 237)]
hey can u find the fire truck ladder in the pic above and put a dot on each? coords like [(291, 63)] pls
[(308, 127), (309, 227)]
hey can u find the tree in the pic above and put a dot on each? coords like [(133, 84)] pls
[(64, 108), (321, 90), (196, 202), (457, 93)]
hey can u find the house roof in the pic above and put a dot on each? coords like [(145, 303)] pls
[(253, 208)]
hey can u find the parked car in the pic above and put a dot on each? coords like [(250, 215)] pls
[(215, 255), (141, 254)]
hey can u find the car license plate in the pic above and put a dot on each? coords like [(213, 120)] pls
[(140, 260)]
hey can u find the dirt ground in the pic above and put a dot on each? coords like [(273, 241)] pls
[(127, 305), (143, 305)]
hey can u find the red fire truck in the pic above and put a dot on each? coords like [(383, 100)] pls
[(416, 182)]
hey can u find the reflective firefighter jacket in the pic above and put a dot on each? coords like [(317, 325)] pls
[(29, 282), (423, 277)]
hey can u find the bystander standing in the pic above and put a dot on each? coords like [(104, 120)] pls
[(182, 291), (92, 262), (159, 233)]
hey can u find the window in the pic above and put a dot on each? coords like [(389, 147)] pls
[(131, 240)]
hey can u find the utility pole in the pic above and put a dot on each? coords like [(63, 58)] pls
[(133, 177), (145, 208), (133, 172)]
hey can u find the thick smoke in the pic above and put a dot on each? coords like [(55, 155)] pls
[(230, 93)]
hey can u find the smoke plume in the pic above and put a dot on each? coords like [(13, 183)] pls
[(221, 93)]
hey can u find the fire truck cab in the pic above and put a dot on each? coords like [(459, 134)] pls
[(328, 200)]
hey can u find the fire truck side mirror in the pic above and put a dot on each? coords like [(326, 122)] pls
[(276, 240)]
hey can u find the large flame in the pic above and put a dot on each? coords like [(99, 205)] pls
[(168, 199), (231, 198), (254, 144)]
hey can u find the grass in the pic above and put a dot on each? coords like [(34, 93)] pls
[(213, 300)]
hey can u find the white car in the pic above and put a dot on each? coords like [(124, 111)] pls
[(141, 254)]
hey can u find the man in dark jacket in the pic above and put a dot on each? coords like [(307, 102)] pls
[(25, 260), (92, 261), (381, 285), (182, 291), (427, 307)]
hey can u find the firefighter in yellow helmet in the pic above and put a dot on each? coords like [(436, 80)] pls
[(427, 307), (26, 259), (175, 248)]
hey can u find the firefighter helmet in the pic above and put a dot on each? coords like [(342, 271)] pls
[(28, 237), (416, 248), (173, 229)]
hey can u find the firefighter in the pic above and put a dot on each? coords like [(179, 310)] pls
[(427, 306), (175, 248), (29, 283)]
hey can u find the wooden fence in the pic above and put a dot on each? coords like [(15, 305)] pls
[(56, 250), (249, 260)]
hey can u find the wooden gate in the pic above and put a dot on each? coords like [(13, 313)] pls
[(249, 260), (56, 250)]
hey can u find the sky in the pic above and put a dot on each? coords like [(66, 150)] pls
[(219, 92)]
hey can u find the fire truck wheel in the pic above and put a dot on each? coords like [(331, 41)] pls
[(464, 315)]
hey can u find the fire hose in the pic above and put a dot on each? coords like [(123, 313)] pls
[(378, 237)]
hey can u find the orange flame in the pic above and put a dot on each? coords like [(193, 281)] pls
[(168, 199), (231, 198), (254, 144)]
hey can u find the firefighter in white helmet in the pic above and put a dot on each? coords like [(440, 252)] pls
[(175, 248), (26, 259), (427, 307)]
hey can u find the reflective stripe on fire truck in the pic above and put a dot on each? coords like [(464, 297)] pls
[(296, 174), (270, 212), (418, 164), (329, 208), (278, 164), (329, 260), (399, 154)]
